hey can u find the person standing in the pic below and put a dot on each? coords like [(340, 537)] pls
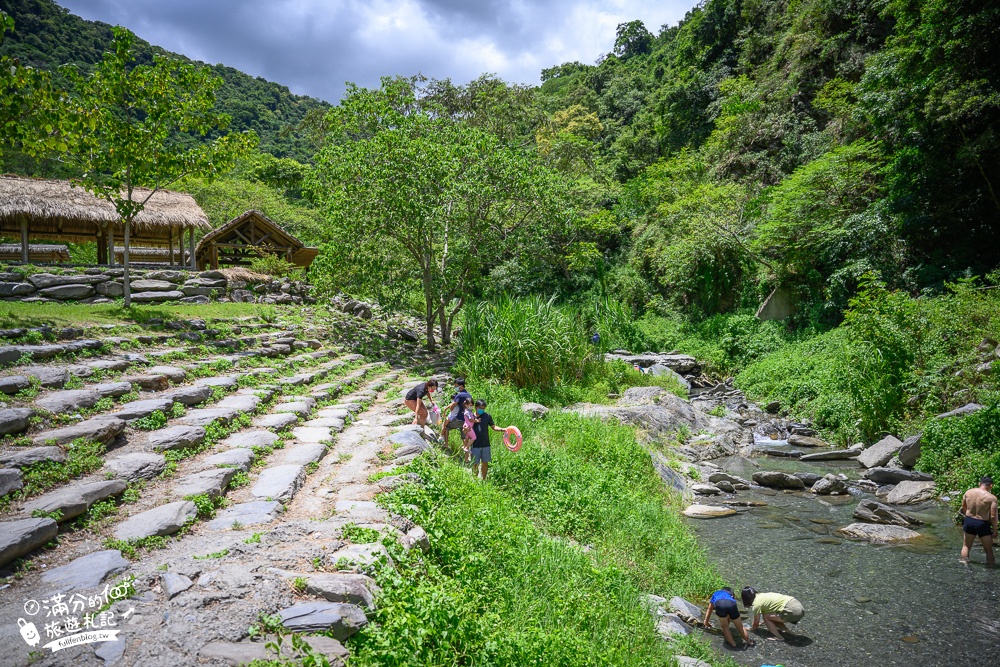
[(452, 415), (414, 400), (774, 608), (979, 509), (723, 603), (481, 453)]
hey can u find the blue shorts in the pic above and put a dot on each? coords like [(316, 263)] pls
[(481, 455)]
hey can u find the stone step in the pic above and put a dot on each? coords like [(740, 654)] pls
[(163, 520), (28, 456), (249, 439), (276, 421), (205, 416), (312, 434), (23, 536), (304, 454), (356, 589), (136, 466), (130, 412), (340, 620), (103, 429), (210, 483), (238, 459), (85, 573), (247, 514), (15, 420), (278, 482), (72, 501)]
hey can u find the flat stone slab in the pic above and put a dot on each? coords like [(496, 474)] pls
[(358, 556), (238, 459), (224, 381), (312, 434), (334, 413), (880, 453), (250, 439), (15, 420), (409, 438), (832, 455), (361, 511), (304, 454), (909, 493), (70, 400), (276, 421), (708, 511), (23, 536), (103, 429), (21, 458), (47, 376), (299, 408), (191, 395), (74, 500), (176, 437), (895, 475), (241, 402), (11, 479), (139, 409), (332, 423), (113, 389), (163, 520), (136, 466), (871, 532), (279, 482), (149, 297), (172, 373), (247, 514), (86, 572), (174, 584), (210, 483), (357, 589), (205, 416), (340, 619), (12, 384)]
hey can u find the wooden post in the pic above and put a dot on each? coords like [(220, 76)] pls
[(24, 239), (102, 247), (111, 245), (170, 245), (125, 279), (194, 265), (215, 257)]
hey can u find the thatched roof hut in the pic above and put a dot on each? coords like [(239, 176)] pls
[(248, 236), (37, 252), (58, 210), (142, 255)]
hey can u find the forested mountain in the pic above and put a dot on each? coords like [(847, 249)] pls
[(47, 36)]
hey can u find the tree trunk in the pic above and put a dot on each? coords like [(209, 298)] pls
[(125, 278), (443, 321), (429, 312)]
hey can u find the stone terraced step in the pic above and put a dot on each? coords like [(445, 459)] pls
[(72, 501), (135, 466), (276, 421), (278, 482), (356, 589), (11, 479), (249, 439), (210, 482), (23, 536), (163, 520), (304, 454), (103, 429), (238, 459), (312, 434), (300, 408), (15, 420), (205, 416), (138, 409), (339, 619), (247, 514), (330, 423), (87, 572), (189, 395), (27, 456)]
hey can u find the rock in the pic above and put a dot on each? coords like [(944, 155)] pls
[(312, 434), (333, 424), (808, 478), (880, 453), (358, 556), (176, 437), (909, 453), (882, 475), (246, 514), (829, 485), (831, 455), (686, 611), (15, 420), (276, 421), (878, 533), (103, 429), (410, 439), (708, 511), (209, 483), (779, 453), (12, 384), (113, 389), (110, 289), (279, 482), (671, 625), (772, 407), (236, 654), (706, 489), (72, 501), (23, 536), (340, 619), (685, 661), (71, 400), (163, 520), (300, 408), (778, 480), (148, 382), (168, 275), (16, 289), (146, 285), (22, 458), (726, 487), (224, 381), (872, 511), (908, 493), (129, 412), (661, 370), (190, 395), (720, 476), (86, 572), (238, 459), (250, 439), (64, 292), (206, 416), (680, 363), (304, 454), (136, 466), (420, 538), (152, 297), (536, 410), (805, 441), (47, 280), (174, 584), (356, 589), (11, 479), (968, 408)]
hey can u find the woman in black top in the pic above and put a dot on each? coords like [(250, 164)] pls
[(414, 400)]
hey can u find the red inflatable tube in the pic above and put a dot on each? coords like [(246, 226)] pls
[(509, 431)]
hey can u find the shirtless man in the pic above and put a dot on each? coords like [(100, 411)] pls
[(979, 507)]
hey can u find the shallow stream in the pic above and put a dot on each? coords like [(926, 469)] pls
[(884, 606)]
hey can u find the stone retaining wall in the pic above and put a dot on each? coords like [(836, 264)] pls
[(104, 285)]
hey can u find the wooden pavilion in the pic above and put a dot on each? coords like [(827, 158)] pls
[(43, 253), (58, 210), (244, 238)]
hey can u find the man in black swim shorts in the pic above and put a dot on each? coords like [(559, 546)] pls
[(979, 507)]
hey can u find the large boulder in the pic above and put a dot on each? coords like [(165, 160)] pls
[(828, 485), (878, 533), (135, 466), (778, 480), (872, 511), (910, 493), (64, 292), (883, 475), (535, 410), (796, 440), (881, 452), (909, 453)]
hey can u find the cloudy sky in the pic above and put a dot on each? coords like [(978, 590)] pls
[(315, 46)]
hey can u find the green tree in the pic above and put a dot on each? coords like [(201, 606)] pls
[(129, 126), (28, 113), (418, 199)]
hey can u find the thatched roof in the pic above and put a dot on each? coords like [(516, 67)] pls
[(57, 209), (37, 252), (246, 236)]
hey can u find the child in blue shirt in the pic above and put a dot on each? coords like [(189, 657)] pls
[(723, 602)]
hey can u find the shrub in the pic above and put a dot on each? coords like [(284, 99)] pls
[(959, 450), (273, 265)]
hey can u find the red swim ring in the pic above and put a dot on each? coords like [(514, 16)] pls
[(509, 431)]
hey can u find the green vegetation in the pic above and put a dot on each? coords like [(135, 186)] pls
[(82, 456), (152, 422), (357, 535), (16, 314), (960, 450)]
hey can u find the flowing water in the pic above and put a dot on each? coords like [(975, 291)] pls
[(884, 606)]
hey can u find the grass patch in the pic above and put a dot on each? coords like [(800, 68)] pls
[(355, 534), (18, 314), (82, 456)]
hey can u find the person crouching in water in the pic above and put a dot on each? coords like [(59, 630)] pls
[(723, 602), (776, 610), (481, 453)]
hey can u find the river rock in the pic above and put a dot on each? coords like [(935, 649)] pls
[(708, 511), (70, 400), (829, 485), (85, 573), (63, 292), (880, 453), (72, 501), (176, 437), (103, 429), (11, 479), (882, 475), (705, 489), (779, 453), (964, 410), (15, 420), (135, 466), (720, 476), (872, 511), (878, 533), (12, 384), (138, 409), (909, 493), (23, 536), (909, 453), (340, 619), (808, 478), (535, 410), (688, 612), (163, 520), (672, 625), (796, 440), (778, 480), (24, 457)]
